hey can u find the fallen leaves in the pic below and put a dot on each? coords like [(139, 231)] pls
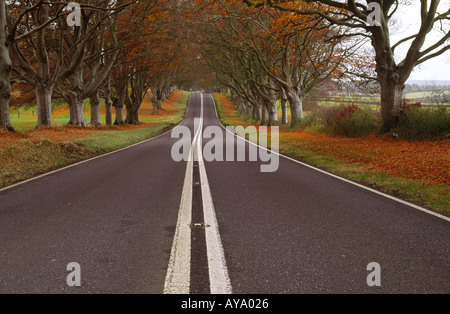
[(424, 161)]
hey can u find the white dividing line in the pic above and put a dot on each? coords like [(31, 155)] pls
[(340, 178), (178, 273), (179, 269), (218, 272)]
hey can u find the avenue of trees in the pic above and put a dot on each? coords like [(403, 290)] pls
[(264, 52), (263, 55)]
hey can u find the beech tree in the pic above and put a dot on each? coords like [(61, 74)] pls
[(371, 19), (5, 71), (38, 60), (150, 60), (98, 41), (13, 30)]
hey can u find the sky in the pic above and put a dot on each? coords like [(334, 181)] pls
[(408, 23)]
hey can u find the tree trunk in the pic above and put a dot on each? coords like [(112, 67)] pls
[(257, 113), (160, 101), (132, 115), (71, 114), (391, 100), (44, 106), (391, 76), (283, 101), (5, 73), (156, 105), (77, 113), (247, 109), (263, 114), (132, 110), (95, 109), (272, 112), (5, 94), (134, 102), (118, 103), (119, 115), (296, 105), (76, 107), (108, 103), (5, 120), (284, 114), (76, 100), (121, 86)]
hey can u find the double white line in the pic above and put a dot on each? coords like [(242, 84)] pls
[(179, 270)]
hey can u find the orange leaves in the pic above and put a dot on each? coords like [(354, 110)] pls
[(426, 161)]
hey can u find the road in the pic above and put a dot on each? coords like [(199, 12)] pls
[(137, 221)]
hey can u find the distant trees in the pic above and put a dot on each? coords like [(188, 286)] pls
[(264, 55)]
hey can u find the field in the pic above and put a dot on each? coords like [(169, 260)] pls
[(373, 102)]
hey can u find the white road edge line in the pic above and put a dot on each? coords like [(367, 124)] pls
[(340, 178), (218, 272)]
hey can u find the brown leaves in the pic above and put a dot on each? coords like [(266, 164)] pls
[(424, 161)]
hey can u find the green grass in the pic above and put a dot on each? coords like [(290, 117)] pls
[(422, 94)]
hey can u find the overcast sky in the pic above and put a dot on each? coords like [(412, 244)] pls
[(409, 22)]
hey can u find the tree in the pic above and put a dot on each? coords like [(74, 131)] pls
[(12, 31), (5, 72), (98, 43), (34, 59), (152, 59), (357, 16)]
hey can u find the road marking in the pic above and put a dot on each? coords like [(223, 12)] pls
[(178, 273), (340, 178), (218, 272), (179, 269)]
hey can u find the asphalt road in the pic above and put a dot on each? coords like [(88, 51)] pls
[(136, 221)]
